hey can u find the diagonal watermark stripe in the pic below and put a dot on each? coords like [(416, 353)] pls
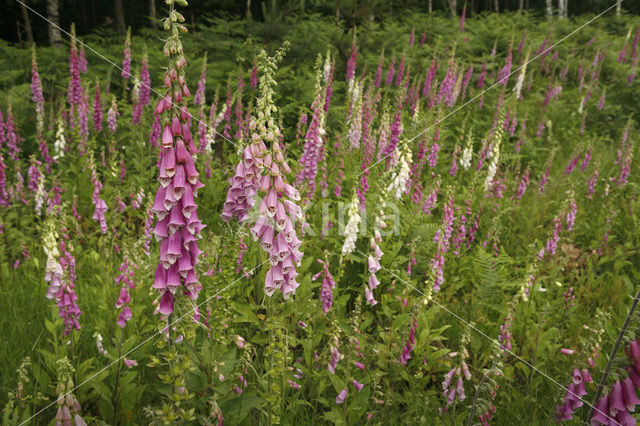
[(144, 342), (487, 89), (483, 334)]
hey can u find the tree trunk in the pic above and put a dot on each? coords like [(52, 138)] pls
[(249, 17), (549, 9), (430, 6), (496, 6), (27, 22), (120, 24), (618, 8), (566, 8), (520, 6), (53, 16), (152, 14), (453, 7), (560, 9)]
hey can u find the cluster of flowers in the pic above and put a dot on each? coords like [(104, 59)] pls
[(177, 226), (399, 179), (313, 149), (614, 408), (405, 356), (277, 211), (61, 274), (68, 412), (442, 239), (373, 260), (326, 292), (100, 205), (125, 279), (353, 225)]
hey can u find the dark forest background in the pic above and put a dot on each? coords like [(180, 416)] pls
[(19, 25)]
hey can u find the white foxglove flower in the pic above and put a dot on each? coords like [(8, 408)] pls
[(400, 177), (465, 160), (518, 87), (495, 158), (101, 349), (60, 143), (351, 230), (39, 197)]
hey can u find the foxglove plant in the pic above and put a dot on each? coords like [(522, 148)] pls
[(277, 211), (75, 92), (177, 226), (314, 138), (400, 176), (326, 291), (112, 115), (36, 92), (13, 139), (442, 240), (60, 144), (353, 225), (68, 412), (125, 280), (126, 61), (144, 90), (97, 108), (61, 274)]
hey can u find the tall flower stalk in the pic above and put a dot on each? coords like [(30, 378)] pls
[(177, 226)]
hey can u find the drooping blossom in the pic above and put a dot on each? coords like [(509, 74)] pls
[(112, 115), (36, 92), (126, 61), (405, 356), (326, 291), (61, 275), (442, 240), (314, 141), (400, 176), (177, 226), (97, 109), (125, 280), (144, 91), (351, 229), (277, 212)]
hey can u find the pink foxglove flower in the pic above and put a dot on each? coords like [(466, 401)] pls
[(125, 280), (326, 291), (144, 91), (112, 115), (126, 61), (36, 92), (277, 211), (97, 109), (177, 226)]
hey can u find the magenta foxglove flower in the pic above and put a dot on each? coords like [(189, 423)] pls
[(253, 80), (36, 92), (144, 91), (12, 138), (97, 109), (126, 61), (326, 291), (125, 279), (177, 226), (342, 396), (75, 92), (351, 64), (411, 341), (199, 97)]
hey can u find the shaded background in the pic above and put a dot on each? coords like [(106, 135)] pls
[(116, 15)]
